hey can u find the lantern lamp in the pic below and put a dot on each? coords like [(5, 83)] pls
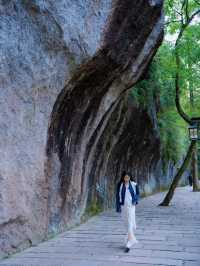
[(194, 129)]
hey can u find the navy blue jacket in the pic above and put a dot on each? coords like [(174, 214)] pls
[(135, 196)]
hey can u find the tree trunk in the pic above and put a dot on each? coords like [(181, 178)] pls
[(190, 81), (191, 97), (178, 175), (195, 179)]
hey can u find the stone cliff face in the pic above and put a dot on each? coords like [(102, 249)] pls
[(67, 125)]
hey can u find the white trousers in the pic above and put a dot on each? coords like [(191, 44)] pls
[(128, 217)]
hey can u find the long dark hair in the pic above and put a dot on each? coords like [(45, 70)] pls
[(124, 173)]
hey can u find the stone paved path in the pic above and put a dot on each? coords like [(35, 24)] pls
[(167, 236)]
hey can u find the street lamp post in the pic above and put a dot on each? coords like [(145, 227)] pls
[(194, 133)]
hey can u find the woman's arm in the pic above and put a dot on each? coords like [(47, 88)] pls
[(118, 206), (137, 193)]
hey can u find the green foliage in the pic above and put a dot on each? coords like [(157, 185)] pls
[(174, 135), (159, 87), (178, 14), (93, 209)]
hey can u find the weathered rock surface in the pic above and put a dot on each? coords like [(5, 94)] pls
[(66, 123)]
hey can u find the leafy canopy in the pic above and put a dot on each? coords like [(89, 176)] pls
[(159, 87)]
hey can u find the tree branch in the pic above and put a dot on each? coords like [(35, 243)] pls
[(186, 11), (172, 21), (177, 78), (197, 2)]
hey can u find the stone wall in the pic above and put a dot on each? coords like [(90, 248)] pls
[(66, 121)]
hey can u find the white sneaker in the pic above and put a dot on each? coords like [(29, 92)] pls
[(130, 243)]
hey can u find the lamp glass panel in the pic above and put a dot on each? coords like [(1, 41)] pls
[(195, 133), (192, 133)]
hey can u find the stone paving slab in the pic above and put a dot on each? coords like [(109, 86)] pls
[(167, 236)]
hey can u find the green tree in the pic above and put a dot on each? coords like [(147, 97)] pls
[(182, 16), (174, 82)]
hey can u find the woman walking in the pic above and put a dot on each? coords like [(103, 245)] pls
[(127, 197)]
